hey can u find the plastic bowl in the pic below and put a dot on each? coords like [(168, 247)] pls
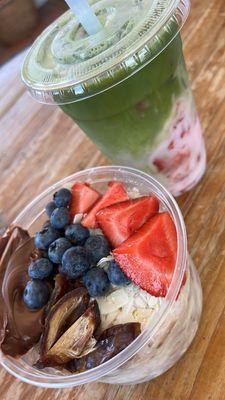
[(171, 329)]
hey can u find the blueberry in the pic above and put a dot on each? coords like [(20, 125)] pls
[(36, 294), (44, 254), (62, 198), (57, 249), (40, 269), (77, 234), (116, 275), (45, 237), (74, 264), (96, 247), (60, 217), (79, 250), (50, 208), (96, 282), (46, 224)]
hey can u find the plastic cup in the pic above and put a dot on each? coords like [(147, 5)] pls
[(171, 329), (126, 86)]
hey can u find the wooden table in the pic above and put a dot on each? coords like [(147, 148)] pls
[(39, 145), (47, 13)]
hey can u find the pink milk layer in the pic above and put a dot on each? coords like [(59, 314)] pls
[(180, 161)]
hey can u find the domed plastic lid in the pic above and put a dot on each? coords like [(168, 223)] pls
[(65, 64)]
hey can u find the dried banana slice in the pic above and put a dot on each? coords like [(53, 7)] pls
[(62, 315), (112, 341), (73, 341)]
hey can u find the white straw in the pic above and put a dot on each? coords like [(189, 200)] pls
[(85, 15)]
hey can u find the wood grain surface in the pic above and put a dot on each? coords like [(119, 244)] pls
[(47, 13), (39, 145)]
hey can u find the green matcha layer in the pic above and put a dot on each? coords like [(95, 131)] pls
[(128, 116)]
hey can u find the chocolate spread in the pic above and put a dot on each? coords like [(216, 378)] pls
[(20, 328)]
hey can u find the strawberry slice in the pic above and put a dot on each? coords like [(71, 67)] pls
[(114, 194), (148, 257), (83, 198), (120, 220)]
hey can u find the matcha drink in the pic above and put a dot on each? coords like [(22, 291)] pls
[(126, 86)]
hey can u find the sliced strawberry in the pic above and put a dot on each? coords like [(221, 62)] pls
[(148, 257), (120, 220), (83, 198), (114, 194)]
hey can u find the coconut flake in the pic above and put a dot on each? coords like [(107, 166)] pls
[(133, 193), (95, 231), (78, 218), (103, 263), (113, 302)]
